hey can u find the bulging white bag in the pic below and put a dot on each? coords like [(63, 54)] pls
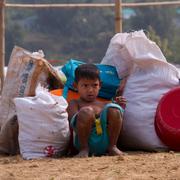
[(25, 71), (43, 125), (150, 77)]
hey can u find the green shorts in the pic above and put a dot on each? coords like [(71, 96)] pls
[(98, 143)]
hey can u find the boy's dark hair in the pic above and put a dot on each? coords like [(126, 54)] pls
[(88, 71)]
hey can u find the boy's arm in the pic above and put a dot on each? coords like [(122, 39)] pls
[(121, 101), (72, 109), (120, 89)]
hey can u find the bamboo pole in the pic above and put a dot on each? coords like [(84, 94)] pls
[(141, 4), (90, 5), (2, 41), (82, 5), (118, 16)]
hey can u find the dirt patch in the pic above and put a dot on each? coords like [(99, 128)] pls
[(134, 165)]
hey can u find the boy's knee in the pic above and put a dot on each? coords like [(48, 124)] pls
[(114, 113), (86, 112), (112, 110)]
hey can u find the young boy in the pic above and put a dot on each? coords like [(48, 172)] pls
[(96, 124)]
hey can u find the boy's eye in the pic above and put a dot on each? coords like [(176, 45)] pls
[(85, 85), (95, 85), (92, 85)]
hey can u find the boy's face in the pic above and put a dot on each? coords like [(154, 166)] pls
[(88, 89)]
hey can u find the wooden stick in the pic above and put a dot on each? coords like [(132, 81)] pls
[(166, 3), (58, 5), (2, 42), (118, 16)]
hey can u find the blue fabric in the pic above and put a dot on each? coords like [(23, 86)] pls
[(98, 144), (108, 75)]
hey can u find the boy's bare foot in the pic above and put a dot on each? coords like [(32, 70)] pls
[(83, 153), (114, 151)]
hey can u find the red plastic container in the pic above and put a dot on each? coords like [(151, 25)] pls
[(167, 120)]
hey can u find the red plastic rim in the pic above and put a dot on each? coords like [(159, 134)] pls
[(167, 121)]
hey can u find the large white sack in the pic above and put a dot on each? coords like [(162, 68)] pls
[(43, 124), (144, 88), (25, 71), (150, 76)]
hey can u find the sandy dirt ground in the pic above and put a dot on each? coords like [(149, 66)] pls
[(133, 165)]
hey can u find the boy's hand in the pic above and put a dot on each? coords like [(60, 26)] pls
[(121, 101), (121, 87)]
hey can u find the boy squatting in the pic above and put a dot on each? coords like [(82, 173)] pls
[(84, 112)]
